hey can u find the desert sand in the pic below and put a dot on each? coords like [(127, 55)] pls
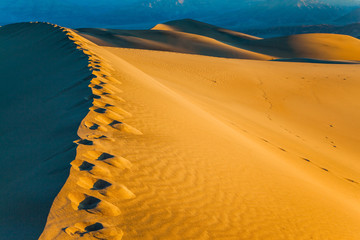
[(191, 132)]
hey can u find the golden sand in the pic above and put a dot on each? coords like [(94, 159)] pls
[(183, 144)]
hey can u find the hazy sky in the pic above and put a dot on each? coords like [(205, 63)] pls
[(142, 13)]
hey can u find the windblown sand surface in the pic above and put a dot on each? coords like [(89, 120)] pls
[(180, 143)]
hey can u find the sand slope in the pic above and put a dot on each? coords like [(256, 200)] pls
[(217, 149), (312, 45), (42, 104), (185, 146)]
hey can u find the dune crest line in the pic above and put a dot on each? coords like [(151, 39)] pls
[(90, 179)]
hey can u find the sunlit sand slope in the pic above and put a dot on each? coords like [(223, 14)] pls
[(196, 147), (315, 45), (44, 96)]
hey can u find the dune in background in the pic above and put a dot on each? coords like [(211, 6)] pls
[(189, 36), (193, 134)]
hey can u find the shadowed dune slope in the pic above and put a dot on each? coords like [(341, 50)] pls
[(42, 104)]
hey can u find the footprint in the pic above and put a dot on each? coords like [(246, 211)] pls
[(100, 91), (91, 168), (94, 227), (94, 126), (95, 230), (93, 183), (284, 150), (84, 142), (100, 185), (98, 87), (350, 180), (91, 204), (120, 111), (105, 156), (105, 188), (109, 115), (92, 96), (96, 81), (100, 110), (110, 159), (86, 166), (100, 137), (125, 127)]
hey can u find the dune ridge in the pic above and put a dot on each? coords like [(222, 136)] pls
[(43, 100), (83, 208)]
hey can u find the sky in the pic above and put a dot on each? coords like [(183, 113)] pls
[(145, 13)]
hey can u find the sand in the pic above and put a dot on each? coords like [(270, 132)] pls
[(42, 103), (187, 145)]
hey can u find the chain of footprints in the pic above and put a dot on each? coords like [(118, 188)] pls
[(93, 163)]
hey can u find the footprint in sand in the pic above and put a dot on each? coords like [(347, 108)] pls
[(91, 168), (95, 230), (84, 142), (105, 188), (100, 137), (110, 159), (94, 126), (93, 205), (124, 127)]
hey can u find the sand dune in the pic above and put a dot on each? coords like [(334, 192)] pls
[(313, 45), (189, 36), (200, 28), (317, 46), (171, 41), (188, 146)]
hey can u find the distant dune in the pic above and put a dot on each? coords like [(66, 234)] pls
[(315, 45), (191, 132), (172, 41), (200, 28), (350, 29), (189, 36)]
